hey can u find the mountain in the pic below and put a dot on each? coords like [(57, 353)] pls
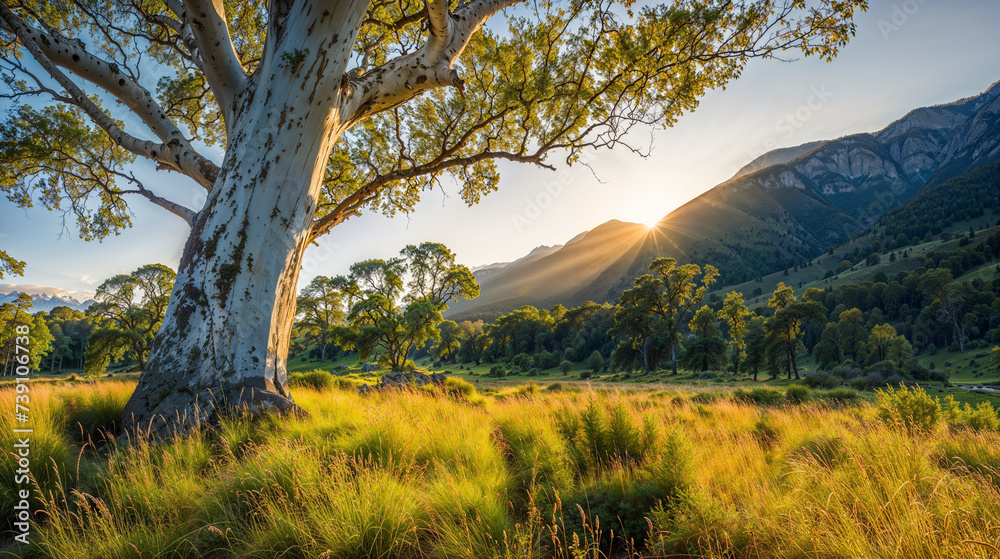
[(786, 206), (44, 302)]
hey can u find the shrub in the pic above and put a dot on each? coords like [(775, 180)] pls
[(825, 380), (595, 361), (619, 503), (797, 394), (981, 418), (99, 410), (705, 397), (584, 375), (606, 437), (766, 433), (547, 360), (825, 451), (522, 361), (462, 390), (842, 394), (762, 396), (317, 379), (708, 375), (911, 408), (536, 457)]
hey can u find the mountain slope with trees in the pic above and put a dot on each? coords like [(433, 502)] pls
[(813, 197)]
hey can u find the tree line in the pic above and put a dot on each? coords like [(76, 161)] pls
[(117, 329)]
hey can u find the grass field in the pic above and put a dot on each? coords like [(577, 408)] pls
[(560, 472)]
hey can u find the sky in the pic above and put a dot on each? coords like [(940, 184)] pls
[(907, 54)]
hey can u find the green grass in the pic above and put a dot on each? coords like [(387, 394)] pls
[(529, 473)]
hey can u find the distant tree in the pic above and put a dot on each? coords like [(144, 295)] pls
[(900, 351), (652, 313), (596, 361), (637, 324), (70, 331), (881, 337), (16, 348), (737, 316), (474, 341), (449, 340), (565, 366), (950, 305), (391, 321), (708, 352), (785, 327), (846, 265), (852, 333), (756, 340), (828, 351), (131, 308), (320, 307), (874, 259), (680, 291)]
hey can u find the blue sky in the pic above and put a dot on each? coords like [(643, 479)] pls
[(907, 54)]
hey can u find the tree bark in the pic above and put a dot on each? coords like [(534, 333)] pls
[(224, 340)]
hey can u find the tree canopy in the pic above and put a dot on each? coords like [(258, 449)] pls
[(322, 110), (549, 77), (389, 320)]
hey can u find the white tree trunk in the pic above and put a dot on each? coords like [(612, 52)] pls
[(225, 337)]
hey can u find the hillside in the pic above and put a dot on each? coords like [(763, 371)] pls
[(786, 207)]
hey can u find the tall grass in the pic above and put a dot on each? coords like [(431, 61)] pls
[(559, 474)]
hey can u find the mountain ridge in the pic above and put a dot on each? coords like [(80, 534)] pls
[(784, 207)]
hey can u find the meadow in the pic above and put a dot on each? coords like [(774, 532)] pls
[(562, 472)]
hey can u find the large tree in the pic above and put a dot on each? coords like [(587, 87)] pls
[(320, 307), (785, 327), (737, 316), (322, 109), (131, 308), (390, 317), (38, 341)]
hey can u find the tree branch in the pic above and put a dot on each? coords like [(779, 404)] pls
[(437, 28), (405, 77), (223, 70), (51, 52), (180, 211)]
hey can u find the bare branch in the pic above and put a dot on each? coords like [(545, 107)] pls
[(223, 70), (180, 211), (51, 52), (437, 28), (405, 77)]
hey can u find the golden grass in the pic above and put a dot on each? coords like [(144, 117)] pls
[(451, 474)]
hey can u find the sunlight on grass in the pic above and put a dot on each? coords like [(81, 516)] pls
[(527, 473)]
